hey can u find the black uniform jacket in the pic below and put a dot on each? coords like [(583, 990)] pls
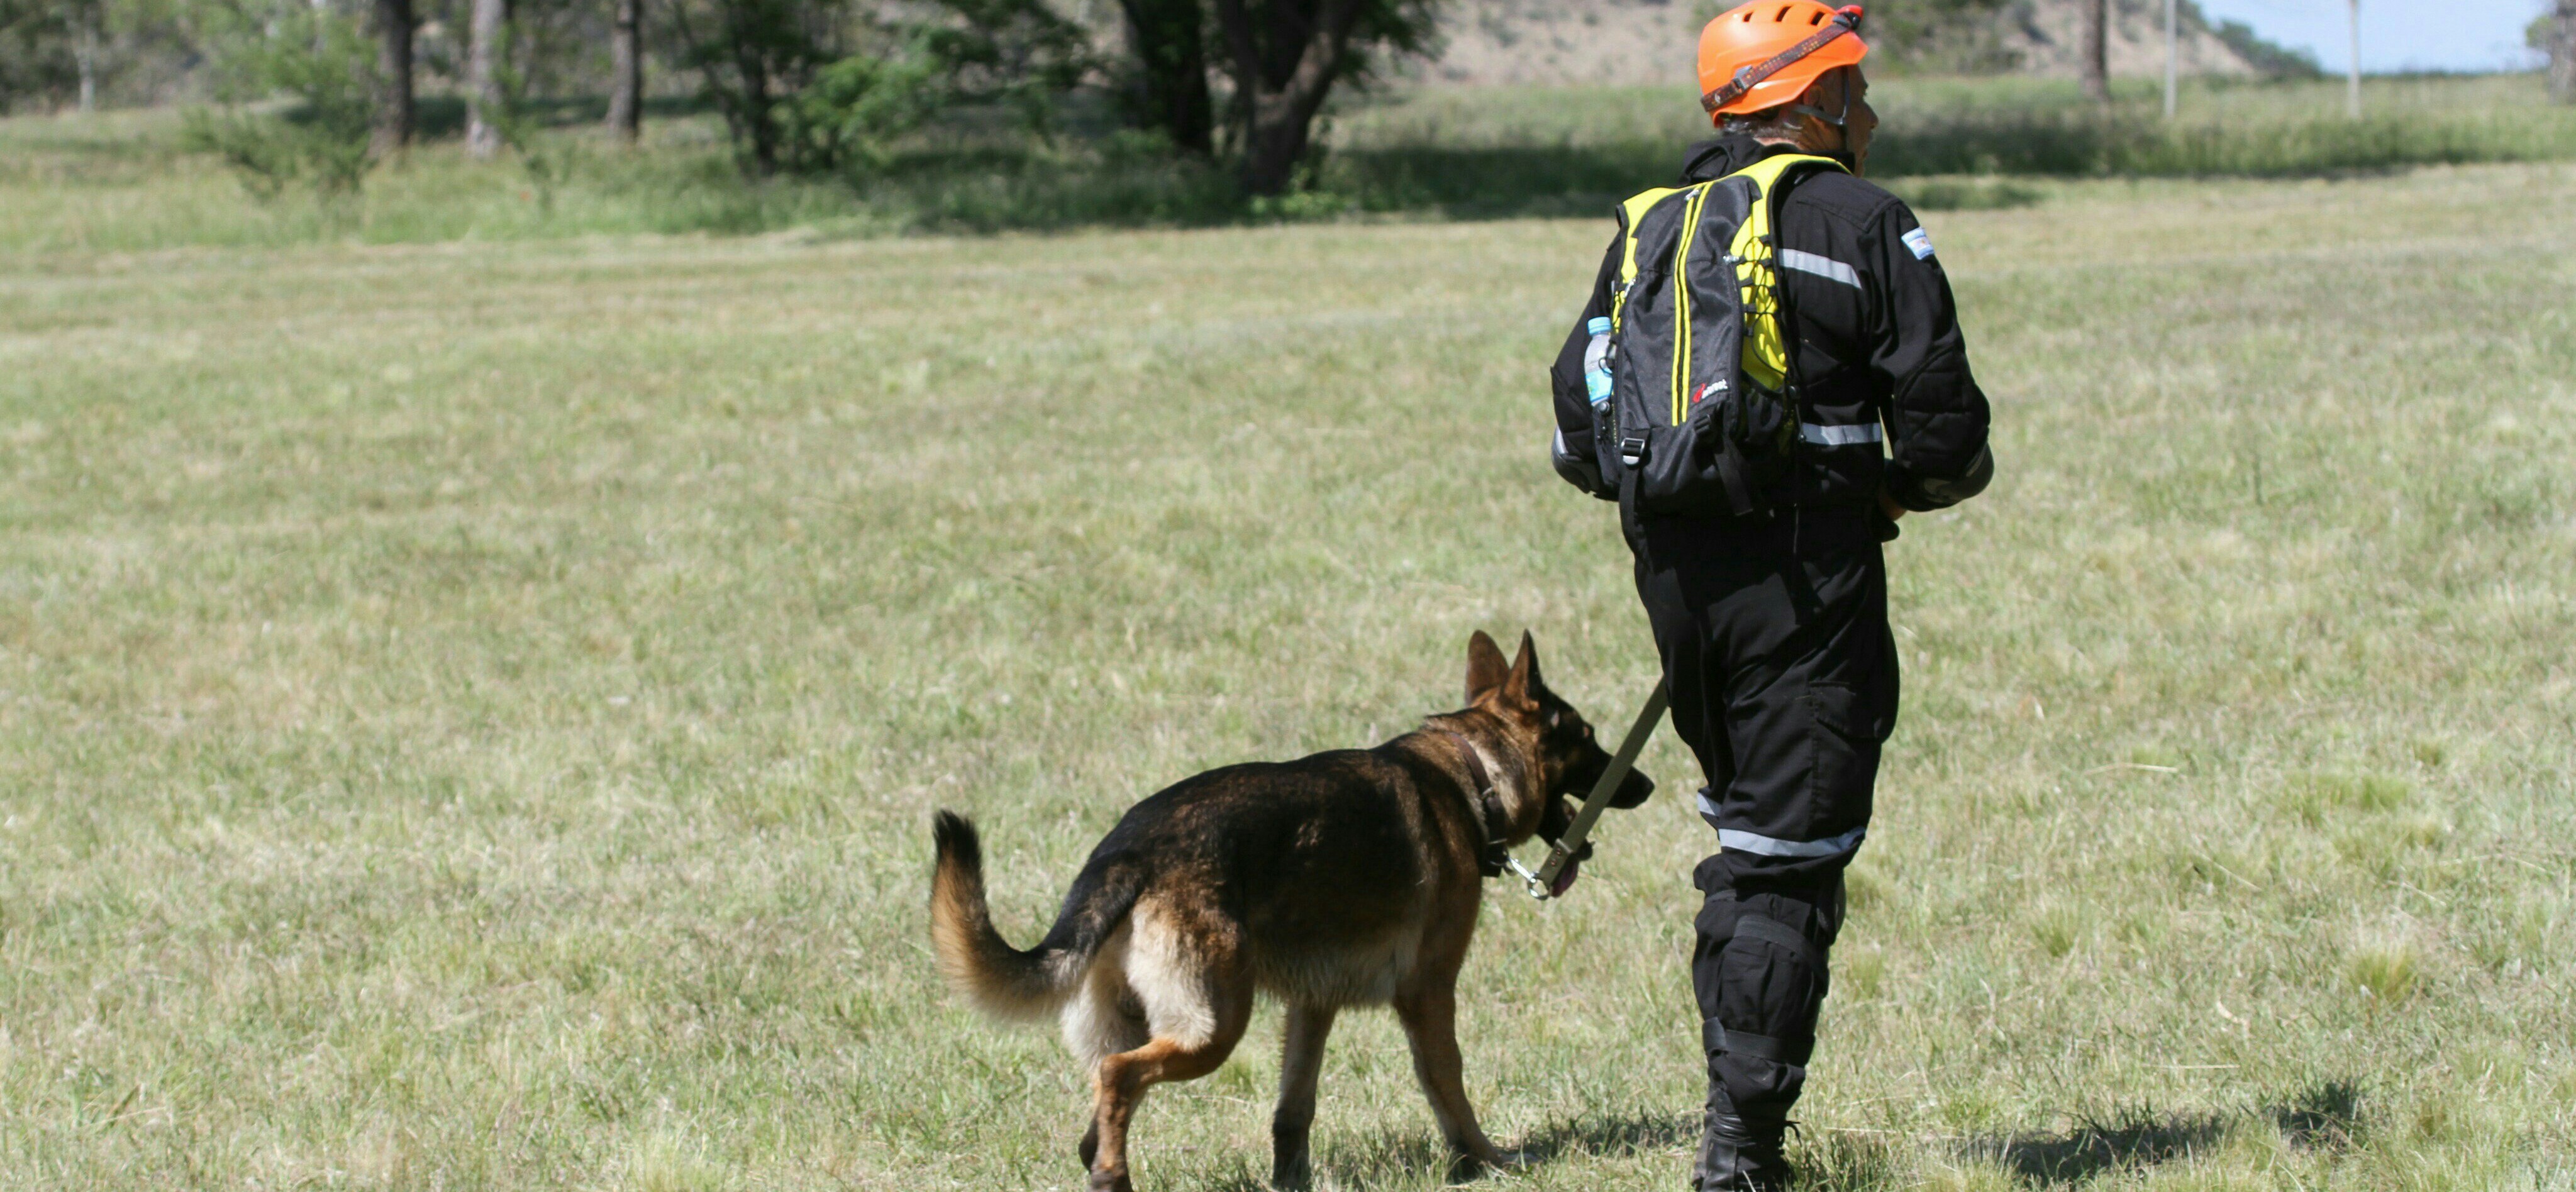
[(1879, 346)]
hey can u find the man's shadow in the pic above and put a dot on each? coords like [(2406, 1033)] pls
[(2324, 1116), (1411, 1157)]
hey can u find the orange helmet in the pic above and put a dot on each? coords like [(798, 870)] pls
[(1769, 52)]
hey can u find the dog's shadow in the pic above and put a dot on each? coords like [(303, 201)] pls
[(1417, 1158)]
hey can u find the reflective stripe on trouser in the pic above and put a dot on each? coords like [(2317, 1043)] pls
[(1773, 633), (1772, 846)]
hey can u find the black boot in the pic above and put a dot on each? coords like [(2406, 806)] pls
[(1736, 1155)]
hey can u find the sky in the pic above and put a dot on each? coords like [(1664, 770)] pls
[(2395, 34)]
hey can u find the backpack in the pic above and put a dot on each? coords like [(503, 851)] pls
[(1704, 410)]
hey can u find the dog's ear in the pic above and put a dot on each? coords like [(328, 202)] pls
[(1486, 669), (1524, 677)]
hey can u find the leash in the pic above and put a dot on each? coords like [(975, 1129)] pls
[(1559, 852)]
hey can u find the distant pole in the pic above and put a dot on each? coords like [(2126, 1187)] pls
[(2173, 52), (2562, 54), (2352, 77)]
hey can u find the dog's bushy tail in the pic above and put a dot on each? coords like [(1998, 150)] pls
[(999, 979)]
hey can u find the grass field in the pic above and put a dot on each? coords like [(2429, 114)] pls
[(469, 713)]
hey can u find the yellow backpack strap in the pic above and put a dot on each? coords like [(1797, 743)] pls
[(1766, 353), (1630, 213)]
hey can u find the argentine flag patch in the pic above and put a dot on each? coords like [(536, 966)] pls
[(1921, 242)]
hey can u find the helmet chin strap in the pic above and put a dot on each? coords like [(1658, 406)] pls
[(1839, 122)]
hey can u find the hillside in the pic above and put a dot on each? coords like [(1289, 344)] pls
[(1647, 42)]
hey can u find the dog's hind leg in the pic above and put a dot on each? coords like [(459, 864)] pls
[(1303, 1062), (1197, 998), (1430, 1018), (1105, 1018)]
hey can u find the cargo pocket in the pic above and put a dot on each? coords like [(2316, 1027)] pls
[(1846, 731)]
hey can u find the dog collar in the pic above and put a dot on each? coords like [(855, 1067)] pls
[(1497, 852)]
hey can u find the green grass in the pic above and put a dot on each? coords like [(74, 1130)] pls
[(469, 713), (119, 182)]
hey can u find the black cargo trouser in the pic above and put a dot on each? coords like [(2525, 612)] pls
[(1773, 631)]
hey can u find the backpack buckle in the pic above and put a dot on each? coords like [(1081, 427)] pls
[(1632, 450)]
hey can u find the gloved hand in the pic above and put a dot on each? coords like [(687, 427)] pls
[(1883, 519)]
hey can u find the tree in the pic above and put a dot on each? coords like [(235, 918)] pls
[(1285, 56), (33, 64), (803, 84), (315, 56), (626, 70), (487, 40), (2095, 60), (1168, 91), (57, 51), (394, 119), (753, 57)]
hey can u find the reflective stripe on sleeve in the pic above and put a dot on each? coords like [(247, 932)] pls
[(1825, 267), (1840, 436)]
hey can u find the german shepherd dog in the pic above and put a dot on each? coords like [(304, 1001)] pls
[(1349, 878)]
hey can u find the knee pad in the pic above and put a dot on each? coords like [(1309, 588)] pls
[(1760, 971)]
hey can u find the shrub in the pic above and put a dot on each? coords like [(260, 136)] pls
[(321, 64)]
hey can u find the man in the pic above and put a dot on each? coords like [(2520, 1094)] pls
[(1773, 626)]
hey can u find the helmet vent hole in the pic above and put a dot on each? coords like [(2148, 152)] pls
[(1817, 19)]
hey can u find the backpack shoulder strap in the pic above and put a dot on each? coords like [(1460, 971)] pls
[(1632, 213), (1766, 350), (1768, 176)]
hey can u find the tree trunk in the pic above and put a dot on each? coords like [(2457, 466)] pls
[(2562, 54), (626, 71), (755, 118), (393, 66), (1169, 39), (1281, 105), (483, 98), (2095, 48), (85, 56)]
